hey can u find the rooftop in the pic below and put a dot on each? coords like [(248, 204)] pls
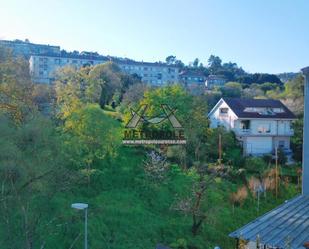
[(290, 221), (240, 107)]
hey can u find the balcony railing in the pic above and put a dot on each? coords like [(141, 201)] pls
[(242, 131), (256, 132), (287, 133)]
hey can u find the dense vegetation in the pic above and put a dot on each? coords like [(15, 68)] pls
[(62, 144), (228, 70)]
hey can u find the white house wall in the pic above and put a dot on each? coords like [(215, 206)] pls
[(277, 127), (263, 135), (258, 145), (218, 119)]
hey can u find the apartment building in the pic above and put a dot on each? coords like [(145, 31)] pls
[(154, 73), (26, 48), (189, 78), (44, 67), (45, 60), (215, 80)]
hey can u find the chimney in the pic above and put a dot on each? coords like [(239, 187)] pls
[(306, 134)]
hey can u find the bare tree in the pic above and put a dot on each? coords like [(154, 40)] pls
[(197, 205)]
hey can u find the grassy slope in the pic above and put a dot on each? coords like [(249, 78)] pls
[(128, 211)]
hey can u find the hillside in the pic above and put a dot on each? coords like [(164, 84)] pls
[(180, 196)]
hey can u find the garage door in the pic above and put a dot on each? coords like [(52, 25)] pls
[(259, 145)]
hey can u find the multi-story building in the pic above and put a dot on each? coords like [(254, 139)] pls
[(156, 73), (45, 60), (26, 48), (214, 80), (192, 78), (44, 67), (193, 81), (261, 125)]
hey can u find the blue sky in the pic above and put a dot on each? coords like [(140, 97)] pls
[(259, 35)]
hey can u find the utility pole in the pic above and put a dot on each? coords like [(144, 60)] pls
[(277, 172), (220, 149)]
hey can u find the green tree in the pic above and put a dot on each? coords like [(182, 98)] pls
[(231, 89), (91, 136), (214, 64), (33, 169), (16, 87), (170, 60)]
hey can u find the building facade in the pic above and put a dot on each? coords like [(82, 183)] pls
[(26, 48), (156, 73), (260, 125), (189, 78), (214, 80), (193, 81), (45, 60), (44, 67)]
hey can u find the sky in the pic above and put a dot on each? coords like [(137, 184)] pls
[(270, 36)]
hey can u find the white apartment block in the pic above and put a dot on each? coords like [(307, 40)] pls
[(43, 67), (152, 73), (261, 125)]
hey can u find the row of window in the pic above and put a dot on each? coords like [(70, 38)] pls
[(158, 76), (58, 61), (140, 68), (194, 78)]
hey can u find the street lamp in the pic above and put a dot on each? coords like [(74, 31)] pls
[(83, 206)]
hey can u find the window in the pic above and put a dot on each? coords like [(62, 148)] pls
[(264, 128), (245, 124), (224, 110), (281, 144)]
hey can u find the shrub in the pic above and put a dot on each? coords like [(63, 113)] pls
[(239, 196), (255, 165)]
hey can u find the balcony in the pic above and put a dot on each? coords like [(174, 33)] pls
[(289, 132), (242, 131)]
